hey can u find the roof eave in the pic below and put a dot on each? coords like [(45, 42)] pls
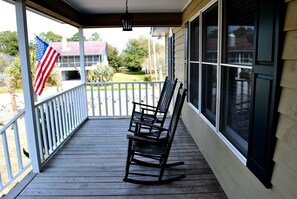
[(61, 11)]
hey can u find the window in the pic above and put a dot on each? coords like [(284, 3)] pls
[(233, 75), (238, 33), (209, 90), (232, 64), (209, 66), (210, 34), (194, 62), (236, 105)]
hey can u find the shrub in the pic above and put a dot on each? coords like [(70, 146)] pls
[(101, 73), (147, 78)]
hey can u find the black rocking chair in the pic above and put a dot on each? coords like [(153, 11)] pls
[(154, 114), (153, 152)]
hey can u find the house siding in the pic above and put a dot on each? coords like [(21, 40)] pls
[(235, 178)]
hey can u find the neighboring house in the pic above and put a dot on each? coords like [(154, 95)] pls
[(10, 60), (69, 60), (238, 60)]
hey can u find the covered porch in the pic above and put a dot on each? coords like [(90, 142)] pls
[(92, 165), (73, 155)]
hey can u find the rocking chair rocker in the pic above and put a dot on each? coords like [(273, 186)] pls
[(154, 114), (153, 152)]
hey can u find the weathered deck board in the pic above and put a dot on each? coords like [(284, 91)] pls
[(92, 165)]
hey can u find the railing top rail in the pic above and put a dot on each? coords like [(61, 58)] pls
[(57, 95), (6, 126), (95, 83)]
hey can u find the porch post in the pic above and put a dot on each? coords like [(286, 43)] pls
[(82, 56), (27, 84), (82, 67)]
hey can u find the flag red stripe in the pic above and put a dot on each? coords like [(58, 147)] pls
[(44, 68), (49, 65)]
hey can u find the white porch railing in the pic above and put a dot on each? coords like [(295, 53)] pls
[(59, 116), (12, 160), (113, 99), (56, 118)]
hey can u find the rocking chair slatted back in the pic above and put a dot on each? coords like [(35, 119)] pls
[(176, 115), (154, 114), (166, 95)]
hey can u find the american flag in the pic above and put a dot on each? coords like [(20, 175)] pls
[(46, 58)]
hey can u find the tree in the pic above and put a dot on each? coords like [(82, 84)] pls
[(9, 43), (4, 62), (50, 37), (95, 37), (113, 57), (75, 37), (160, 59), (240, 32), (135, 53), (14, 81)]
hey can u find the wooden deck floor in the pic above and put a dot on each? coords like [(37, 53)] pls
[(92, 165)]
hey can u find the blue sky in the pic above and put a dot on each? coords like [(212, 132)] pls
[(38, 24)]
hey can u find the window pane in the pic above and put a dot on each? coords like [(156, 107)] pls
[(209, 91), (210, 34), (71, 60), (237, 103), (194, 83), (239, 31), (96, 58), (194, 40)]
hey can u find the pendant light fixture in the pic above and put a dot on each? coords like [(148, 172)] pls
[(127, 20)]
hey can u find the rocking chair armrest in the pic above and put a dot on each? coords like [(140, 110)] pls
[(140, 104), (143, 123), (145, 139), (148, 109)]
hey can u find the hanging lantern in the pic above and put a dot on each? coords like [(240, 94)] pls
[(127, 20)]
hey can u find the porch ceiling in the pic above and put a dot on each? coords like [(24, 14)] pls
[(102, 13)]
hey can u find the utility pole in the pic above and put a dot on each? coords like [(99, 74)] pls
[(155, 60), (150, 61)]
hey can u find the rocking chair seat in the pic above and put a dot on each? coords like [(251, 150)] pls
[(148, 145)]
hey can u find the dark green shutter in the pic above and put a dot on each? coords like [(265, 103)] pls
[(267, 62), (186, 54)]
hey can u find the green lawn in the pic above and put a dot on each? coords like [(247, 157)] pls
[(3, 89), (118, 77), (128, 77), (125, 77)]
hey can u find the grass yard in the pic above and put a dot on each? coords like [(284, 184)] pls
[(3, 89), (128, 77), (125, 77), (118, 77)]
